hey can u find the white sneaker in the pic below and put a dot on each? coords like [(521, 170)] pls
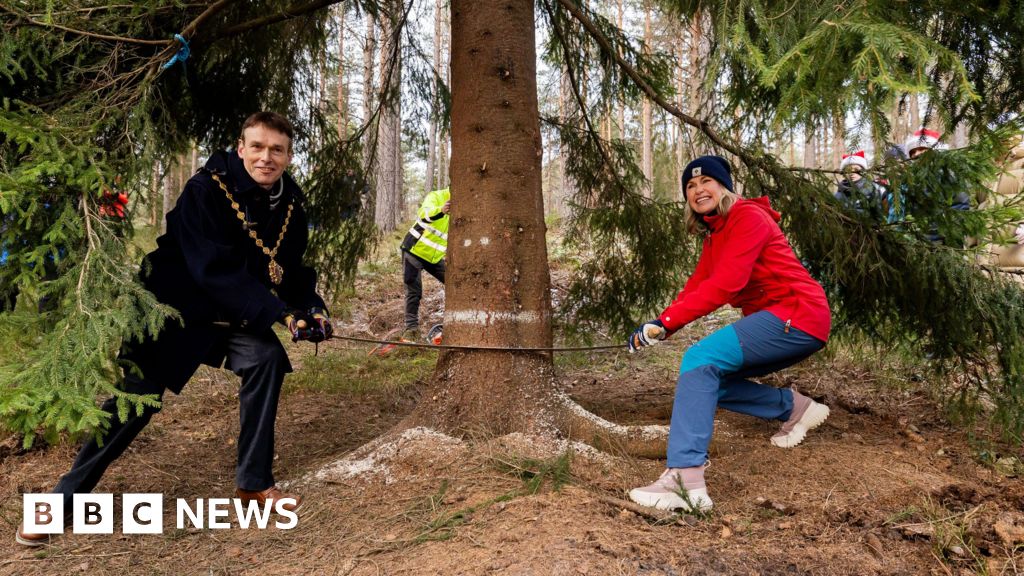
[(668, 493), (805, 416)]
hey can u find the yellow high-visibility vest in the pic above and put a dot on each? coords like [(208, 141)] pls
[(428, 237)]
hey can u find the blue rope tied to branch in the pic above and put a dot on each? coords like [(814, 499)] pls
[(181, 55)]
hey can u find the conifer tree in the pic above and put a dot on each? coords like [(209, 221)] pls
[(87, 99)]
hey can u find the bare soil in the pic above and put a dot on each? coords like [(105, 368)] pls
[(885, 486)]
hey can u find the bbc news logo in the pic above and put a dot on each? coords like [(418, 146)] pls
[(144, 513)]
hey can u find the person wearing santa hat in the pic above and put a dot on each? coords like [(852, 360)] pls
[(924, 140), (856, 191), (920, 142)]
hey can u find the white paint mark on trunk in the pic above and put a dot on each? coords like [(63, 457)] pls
[(487, 318)]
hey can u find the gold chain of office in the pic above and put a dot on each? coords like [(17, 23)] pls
[(275, 270)]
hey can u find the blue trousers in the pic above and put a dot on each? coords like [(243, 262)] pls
[(714, 373)]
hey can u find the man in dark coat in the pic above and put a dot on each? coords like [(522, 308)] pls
[(231, 265)]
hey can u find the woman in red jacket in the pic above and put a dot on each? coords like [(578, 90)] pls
[(746, 262)]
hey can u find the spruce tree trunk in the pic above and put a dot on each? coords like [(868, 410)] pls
[(498, 286)]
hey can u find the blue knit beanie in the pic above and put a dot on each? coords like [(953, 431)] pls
[(713, 166)]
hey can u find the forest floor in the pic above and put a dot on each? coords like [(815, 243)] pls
[(886, 486)]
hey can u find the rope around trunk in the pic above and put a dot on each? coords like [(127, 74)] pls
[(605, 347)]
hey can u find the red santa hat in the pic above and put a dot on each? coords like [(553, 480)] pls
[(923, 138), (855, 159)]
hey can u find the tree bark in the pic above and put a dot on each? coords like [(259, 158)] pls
[(498, 285), (389, 159), (429, 180), (915, 114), (620, 107), (369, 53), (838, 140), (648, 136), (810, 142), (342, 95)]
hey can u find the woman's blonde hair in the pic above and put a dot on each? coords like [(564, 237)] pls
[(695, 224)]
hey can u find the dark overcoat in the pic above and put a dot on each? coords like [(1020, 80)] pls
[(212, 272)]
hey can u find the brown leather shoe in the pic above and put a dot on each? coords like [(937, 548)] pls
[(270, 494), (29, 539)]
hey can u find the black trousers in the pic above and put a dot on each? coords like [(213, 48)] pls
[(261, 362), (412, 268)]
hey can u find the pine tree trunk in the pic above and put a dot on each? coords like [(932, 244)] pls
[(898, 123), (915, 114), (810, 160), (498, 286), (680, 128), (697, 57), (444, 136), (429, 181), (648, 136), (389, 170), (369, 54), (342, 97), (155, 197), (960, 136), (566, 184), (838, 140), (621, 108)]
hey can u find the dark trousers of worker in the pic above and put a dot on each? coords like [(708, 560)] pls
[(412, 275), (261, 362)]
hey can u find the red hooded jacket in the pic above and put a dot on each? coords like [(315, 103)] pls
[(747, 262)]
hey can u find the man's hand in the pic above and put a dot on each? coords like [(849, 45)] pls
[(647, 335), (321, 317), (303, 326), (1019, 234), (447, 207)]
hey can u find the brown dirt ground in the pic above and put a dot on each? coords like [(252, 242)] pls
[(885, 486)]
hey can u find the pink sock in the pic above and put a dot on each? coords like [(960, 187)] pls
[(693, 477)]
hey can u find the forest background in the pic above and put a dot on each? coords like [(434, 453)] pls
[(100, 98)]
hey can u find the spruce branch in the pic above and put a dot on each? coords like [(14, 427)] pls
[(29, 20), (284, 14)]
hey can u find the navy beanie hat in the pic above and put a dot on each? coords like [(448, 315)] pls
[(713, 166)]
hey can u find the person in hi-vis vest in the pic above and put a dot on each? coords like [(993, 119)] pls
[(423, 249)]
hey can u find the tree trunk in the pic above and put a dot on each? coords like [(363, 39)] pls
[(498, 283), (342, 102), (444, 135), (370, 135), (648, 137), (810, 158), (699, 51), (620, 107), (566, 183), (838, 140), (497, 290), (915, 114), (429, 181), (389, 160)]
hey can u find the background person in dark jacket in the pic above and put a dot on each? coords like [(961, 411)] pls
[(860, 193), (231, 265)]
